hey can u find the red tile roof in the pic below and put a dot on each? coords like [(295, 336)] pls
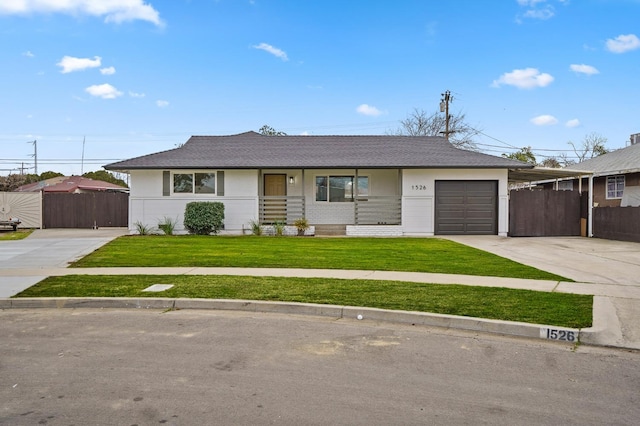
[(70, 184)]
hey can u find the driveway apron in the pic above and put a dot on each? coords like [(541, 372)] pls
[(48, 248)]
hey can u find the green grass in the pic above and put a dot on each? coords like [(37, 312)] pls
[(15, 235), (432, 255), (559, 309)]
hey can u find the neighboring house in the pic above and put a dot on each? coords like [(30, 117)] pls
[(616, 176), (71, 185), (373, 185)]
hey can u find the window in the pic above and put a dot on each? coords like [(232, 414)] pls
[(183, 183), (336, 189), (198, 183), (565, 185), (615, 186)]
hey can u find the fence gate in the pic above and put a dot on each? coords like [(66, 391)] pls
[(544, 213), (86, 210)]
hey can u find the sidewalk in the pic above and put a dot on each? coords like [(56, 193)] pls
[(616, 316)]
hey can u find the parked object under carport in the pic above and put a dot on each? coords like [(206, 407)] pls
[(11, 222)]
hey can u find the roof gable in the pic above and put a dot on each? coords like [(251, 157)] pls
[(624, 160), (251, 150)]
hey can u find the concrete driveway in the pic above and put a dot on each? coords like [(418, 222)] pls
[(586, 260), (48, 248)]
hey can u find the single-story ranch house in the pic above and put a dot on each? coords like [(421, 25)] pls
[(370, 185)]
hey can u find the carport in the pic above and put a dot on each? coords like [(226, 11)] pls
[(529, 178)]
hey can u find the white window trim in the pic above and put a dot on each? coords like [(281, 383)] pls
[(193, 192), (616, 177), (329, 176)]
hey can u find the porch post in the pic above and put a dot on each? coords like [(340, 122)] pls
[(355, 198), (304, 196)]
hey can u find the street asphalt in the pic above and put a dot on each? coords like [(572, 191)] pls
[(609, 270)]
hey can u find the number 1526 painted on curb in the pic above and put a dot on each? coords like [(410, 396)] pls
[(556, 334)]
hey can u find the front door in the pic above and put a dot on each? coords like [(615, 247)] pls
[(275, 193)]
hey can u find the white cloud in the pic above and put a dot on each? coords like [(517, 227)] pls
[(584, 69), (538, 9), (136, 95), (527, 78), (108, 71), (623, 43), (546, 12), (71, 64), (28, 54), (162, 104), (572, 123), (273, 50), (104, 91), (116, 11), (365, 109), (544, 120)]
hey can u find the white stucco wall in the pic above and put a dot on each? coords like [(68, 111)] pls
[(148, 206), (381, 183), (418, 204)]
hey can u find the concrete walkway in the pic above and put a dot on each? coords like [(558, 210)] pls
[(609, 270)]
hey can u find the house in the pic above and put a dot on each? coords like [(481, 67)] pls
[(369, 185), (71, 185), (616, 176)]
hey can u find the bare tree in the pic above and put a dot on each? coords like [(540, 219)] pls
[(419, 123), (592, 146)]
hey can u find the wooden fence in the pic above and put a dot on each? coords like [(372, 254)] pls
[(544, 213), (87, 210), (617, 223)]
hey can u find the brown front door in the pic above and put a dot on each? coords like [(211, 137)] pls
[(275, 192)]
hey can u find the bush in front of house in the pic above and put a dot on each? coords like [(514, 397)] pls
[(204, 217)]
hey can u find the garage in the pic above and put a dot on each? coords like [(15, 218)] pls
[(466, 207)]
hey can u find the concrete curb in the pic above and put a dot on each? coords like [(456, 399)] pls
[(537, 331)]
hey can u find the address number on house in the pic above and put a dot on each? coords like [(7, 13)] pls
[(559, 334), (419, 187)]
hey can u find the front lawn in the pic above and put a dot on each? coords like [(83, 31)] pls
[(559, 309), (20, 234), (432, 255)]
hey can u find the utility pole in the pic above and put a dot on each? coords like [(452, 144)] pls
[(444, 107), (82, 163), (35, 154)]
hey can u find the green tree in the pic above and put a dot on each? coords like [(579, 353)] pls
[(552, 162), (524, 154), (49, 174), (420, 123), (14, 181), (270, 131), (105, 176)]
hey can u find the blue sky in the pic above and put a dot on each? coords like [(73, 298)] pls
[(133, 77)]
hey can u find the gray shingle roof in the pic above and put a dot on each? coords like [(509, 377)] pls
[(625, 160), (252, 151)]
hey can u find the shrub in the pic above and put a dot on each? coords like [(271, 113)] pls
[(204, 217), (278, 228), (256, 229), (301, 225), (143, 229), (167, 225)]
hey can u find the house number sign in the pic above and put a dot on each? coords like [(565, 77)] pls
[(558, 334), (419, 187)]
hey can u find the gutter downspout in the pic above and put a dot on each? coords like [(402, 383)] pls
[(590, 208)]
